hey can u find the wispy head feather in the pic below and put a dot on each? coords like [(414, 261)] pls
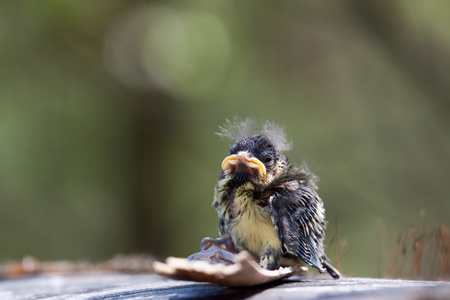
[(238, 128), (276, 134)]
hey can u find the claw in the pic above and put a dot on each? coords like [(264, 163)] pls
[(223, 243), (214, 255)]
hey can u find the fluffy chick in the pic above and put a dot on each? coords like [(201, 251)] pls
[(267, 206)]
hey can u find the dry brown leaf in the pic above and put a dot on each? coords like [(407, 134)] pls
[(241, 271)]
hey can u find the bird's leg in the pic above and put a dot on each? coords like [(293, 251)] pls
[(223, 243), (214, 255), (270, 260), (215, 251)]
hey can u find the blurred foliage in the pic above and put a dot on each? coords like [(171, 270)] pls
[(108, 112), (414, 254)]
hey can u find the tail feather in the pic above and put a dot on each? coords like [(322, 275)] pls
[(331, 270)]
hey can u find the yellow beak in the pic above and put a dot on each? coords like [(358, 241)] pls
[(242, 157)]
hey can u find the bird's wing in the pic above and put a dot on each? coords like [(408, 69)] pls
[(299, 216)]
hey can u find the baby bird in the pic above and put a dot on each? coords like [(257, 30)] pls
[(267, 206)]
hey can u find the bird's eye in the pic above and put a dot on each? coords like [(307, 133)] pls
[(268, 160)]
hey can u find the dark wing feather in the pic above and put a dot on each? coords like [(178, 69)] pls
[(298, 214)]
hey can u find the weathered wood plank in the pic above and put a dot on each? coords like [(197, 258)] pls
[(122, 286)]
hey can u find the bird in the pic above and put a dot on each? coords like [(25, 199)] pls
[(266, 205)]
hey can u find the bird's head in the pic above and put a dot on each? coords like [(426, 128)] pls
[(254, 157)]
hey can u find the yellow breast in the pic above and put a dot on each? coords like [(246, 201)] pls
[(252, 229)]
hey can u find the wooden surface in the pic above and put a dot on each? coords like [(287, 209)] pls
[(122, 286)]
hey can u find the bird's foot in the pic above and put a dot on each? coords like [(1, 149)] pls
[(222, 243), (269, 260), (214, 255)]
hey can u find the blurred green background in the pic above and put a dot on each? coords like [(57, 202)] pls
[(108, 111)]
